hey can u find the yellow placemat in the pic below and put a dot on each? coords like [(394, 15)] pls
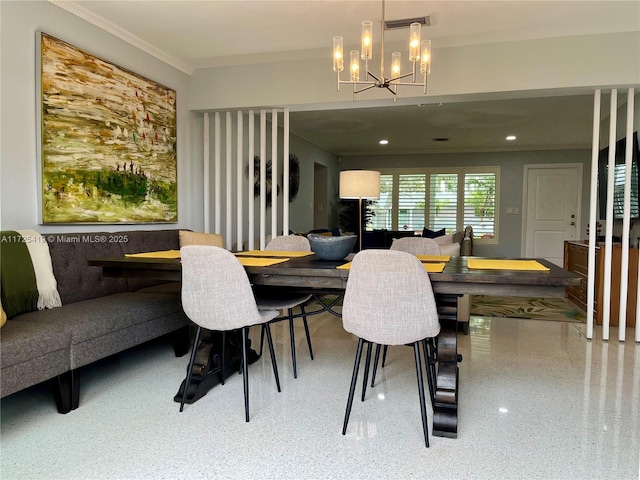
[(260, 262), (433, 267), (160, 254), (429, 267), (273, 253), (489, 264), (434, 258)]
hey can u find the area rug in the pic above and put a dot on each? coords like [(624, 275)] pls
[(557, 309)]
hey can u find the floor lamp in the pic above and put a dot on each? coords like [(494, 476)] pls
[(360, 184)]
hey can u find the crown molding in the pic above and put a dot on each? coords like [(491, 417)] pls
[(78, 11)]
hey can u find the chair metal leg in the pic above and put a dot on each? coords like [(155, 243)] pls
[(306, 330), (223, 358), (423, 409), (264, 326), (274, 365), (245, 376), (366, 371), (375, 365), (384, 355), (293, 344), (187, 381), (354, 379)]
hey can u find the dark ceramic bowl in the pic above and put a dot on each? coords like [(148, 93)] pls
[(332, 248)]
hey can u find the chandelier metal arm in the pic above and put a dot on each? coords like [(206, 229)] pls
[(372, 75)]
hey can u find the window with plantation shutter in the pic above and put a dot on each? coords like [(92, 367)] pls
[(480, 202), (443, 201), (437, 198), (382, 208), (411, 201)]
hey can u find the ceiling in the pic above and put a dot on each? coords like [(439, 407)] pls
[(227, 32)]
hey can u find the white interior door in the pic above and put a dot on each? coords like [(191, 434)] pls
[(553, 195)]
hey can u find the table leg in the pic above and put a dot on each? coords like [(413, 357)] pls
[(445, 408)]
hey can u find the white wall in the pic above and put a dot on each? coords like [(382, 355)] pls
[(562, 63), (19, 181)]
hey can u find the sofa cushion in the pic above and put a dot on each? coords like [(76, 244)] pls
[(32, 335), (32, 352), (101, 316), (77, 281), (199, 238), (443, 239), (452, 249), (171, 288)]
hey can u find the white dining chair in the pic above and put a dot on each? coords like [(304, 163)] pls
[(389, 301), (217, 295)]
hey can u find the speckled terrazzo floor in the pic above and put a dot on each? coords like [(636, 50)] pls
[(537, 401)]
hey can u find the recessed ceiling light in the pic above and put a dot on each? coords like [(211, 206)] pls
[(510, 138), (383, 142)]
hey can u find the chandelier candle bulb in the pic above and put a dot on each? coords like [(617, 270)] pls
[(367, 40), (425, 57), (338, 57), (355, 65), (396, 59), (414, 42)]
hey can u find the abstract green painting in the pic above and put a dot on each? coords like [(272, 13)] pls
[(108, 141)]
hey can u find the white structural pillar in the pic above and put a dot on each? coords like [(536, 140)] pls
[(274, 173), (251, 186), (228, 190), (206, 171), (285, 174), (217, 181), (608, 241), (626, 222), (263, 178), (593, 231), (239, 169)]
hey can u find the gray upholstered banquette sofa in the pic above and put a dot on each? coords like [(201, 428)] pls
[(99, 316)]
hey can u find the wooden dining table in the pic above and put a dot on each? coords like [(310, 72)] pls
[(311, 274)]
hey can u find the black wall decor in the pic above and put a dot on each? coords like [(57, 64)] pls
[(294, 178)]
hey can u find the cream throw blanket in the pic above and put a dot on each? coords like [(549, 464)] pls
[(48, 296)]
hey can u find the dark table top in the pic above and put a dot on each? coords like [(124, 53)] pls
[(312, 272)]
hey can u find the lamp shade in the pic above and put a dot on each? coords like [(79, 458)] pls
[(359, 184)]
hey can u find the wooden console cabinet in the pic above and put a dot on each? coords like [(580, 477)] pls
[(576, 260)]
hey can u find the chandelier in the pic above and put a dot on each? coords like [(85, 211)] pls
[(419, 54)]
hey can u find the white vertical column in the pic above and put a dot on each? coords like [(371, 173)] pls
[(239, 161), (216, 172), (263, 175), (285, 174), (228, 170), (251, 199), (608, 244), (626, 222), (274, 173), (206, 174), (593, 233)]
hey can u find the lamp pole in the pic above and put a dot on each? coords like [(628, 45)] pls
[(361, 232)]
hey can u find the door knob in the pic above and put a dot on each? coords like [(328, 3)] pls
[(573, 223)]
